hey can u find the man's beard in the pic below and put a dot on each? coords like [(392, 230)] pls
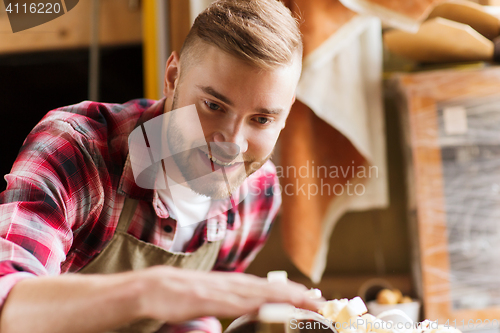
[(216, 185)]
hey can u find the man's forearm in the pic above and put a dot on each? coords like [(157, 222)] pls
[(99, 303), (72, 303)]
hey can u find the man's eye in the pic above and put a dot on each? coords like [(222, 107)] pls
[(263, 120), (212, 106)]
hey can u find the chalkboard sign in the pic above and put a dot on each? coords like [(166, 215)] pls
[(471, 172), (451, 122)]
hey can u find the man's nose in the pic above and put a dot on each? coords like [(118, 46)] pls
[(231, 143)]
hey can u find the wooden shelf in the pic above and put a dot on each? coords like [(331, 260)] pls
[(119, 25)]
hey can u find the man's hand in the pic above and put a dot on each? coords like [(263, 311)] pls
[(175, 295), (80, 303)]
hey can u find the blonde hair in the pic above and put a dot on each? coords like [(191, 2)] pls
[(261, 32)]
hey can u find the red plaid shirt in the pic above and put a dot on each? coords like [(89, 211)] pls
[(66, 190)]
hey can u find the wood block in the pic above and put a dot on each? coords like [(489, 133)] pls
[(470, 13), (440, 40)]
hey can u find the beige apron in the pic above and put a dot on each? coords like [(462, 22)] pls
[(125, 253)]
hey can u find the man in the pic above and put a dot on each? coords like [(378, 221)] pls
[(73, 203)]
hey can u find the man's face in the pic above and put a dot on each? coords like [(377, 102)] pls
[(242, 110)]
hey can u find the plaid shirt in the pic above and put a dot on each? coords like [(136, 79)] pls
[(66, 190)]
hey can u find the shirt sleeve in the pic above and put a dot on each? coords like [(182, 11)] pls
[(52, 185), (204, 324)]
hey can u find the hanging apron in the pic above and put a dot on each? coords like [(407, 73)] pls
[(126, 253)]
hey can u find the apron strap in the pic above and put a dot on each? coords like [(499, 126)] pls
[(126, 215)]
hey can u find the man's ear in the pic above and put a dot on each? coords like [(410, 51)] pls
[(172, 71)]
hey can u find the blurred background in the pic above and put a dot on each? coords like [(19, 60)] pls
[(115, 50)]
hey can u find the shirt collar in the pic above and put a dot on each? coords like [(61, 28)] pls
[(222, 211)]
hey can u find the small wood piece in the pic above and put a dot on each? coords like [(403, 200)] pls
[(440, 40), (470, 13), (387, 296), (405, 15)]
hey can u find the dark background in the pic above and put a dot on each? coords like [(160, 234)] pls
[(35, 83)]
